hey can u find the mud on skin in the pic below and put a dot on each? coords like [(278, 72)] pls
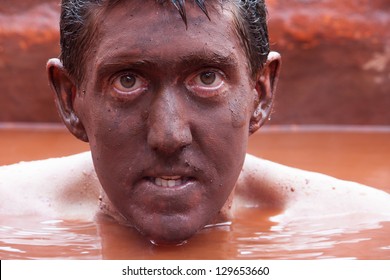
[(167, 111)]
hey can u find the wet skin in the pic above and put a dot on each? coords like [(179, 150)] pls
[(167, 112)]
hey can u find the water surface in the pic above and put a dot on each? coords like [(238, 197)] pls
[(361, 155)]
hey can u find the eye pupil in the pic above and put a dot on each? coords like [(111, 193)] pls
[(127, 81), (208, 78)]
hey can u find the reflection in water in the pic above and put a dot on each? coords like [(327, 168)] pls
[(251, 236), (311, 239), (31, 238)]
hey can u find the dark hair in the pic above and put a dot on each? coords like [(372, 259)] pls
[(77, 30)]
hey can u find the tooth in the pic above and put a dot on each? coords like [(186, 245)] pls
[(164, 183)]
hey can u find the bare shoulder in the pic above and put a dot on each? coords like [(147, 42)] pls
[(303, 193), (58, 187)]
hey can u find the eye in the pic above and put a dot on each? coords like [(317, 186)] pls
[(129, 84), (206, 83)]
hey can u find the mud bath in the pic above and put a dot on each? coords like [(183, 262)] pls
[(353, 153)]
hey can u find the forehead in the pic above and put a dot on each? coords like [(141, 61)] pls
[(151, 29)]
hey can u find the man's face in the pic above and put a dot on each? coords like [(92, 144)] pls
[(167, 113)]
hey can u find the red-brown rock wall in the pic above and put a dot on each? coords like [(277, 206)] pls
[(28, 37), (336, 60)]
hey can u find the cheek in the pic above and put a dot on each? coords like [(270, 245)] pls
[(239, 113), (112, 126), (114, 134), (239, 108), (223, 135)]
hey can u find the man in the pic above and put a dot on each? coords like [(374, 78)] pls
[(167, 108)]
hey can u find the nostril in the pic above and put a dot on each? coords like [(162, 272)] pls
[(169, 142)]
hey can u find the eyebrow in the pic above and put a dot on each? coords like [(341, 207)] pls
[(119, 62), (206, 59), (199, 59)]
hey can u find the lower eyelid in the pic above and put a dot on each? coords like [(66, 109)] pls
[(211, 88), (125, 96), (206, 91)]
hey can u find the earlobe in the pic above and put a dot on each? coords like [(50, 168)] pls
[(64, 94), (265, 88)]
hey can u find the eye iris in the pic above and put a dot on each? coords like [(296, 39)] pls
[(208, 78), (127, 81)]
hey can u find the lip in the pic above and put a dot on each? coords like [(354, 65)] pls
[(171, 178), (170, 182), (168, 200), (157, 183), (180, 199)]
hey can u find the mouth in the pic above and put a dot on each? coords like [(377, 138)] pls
[(170, 181), (168, 194)]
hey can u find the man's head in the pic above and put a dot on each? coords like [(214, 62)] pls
[(167, 110)]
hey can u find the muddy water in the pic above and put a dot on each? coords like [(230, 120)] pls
[(358, 155)]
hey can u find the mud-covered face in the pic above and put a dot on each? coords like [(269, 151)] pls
[(167, 110)]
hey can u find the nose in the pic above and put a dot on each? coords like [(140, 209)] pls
[(169, 129)]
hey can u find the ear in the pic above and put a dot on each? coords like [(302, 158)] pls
[(64, 90), (265, 88)]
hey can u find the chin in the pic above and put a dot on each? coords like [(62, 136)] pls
[(169, 231)]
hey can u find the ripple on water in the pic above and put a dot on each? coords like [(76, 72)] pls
[(312, 239), (32, 238)]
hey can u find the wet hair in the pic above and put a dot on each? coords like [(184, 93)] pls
[(77, 29)]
